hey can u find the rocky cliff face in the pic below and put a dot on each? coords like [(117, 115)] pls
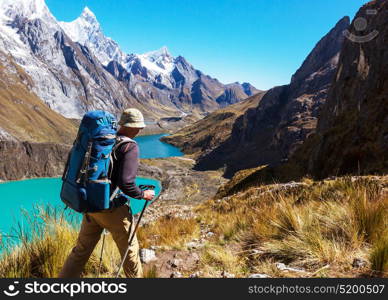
[(27, 160), (286, 115), (352, 131), (23, 116)]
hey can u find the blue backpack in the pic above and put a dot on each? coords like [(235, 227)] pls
[(86, 179)]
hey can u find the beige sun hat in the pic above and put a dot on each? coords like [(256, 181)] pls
[(132, 117)]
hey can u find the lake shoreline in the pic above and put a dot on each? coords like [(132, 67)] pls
[(24, 160), (53, 177)]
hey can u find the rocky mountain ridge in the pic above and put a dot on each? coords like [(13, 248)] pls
[(285, 116), (352, 130)]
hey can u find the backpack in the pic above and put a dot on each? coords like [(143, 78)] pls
[(86, 178)]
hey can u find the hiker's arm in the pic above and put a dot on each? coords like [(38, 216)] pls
[(128, 171)]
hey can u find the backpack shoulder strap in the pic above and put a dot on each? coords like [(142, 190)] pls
[(120, 140)]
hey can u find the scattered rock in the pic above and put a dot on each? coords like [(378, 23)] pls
[(194, 245), (258, 276), (256, 252), (155, 247), (176, 274), (359, 263), (225, 274), (283, 267), (147, 255), (175, 263), (195, 257), (210, 234), (196, 275)]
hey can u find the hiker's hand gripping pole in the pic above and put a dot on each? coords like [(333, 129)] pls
[(142, 187)]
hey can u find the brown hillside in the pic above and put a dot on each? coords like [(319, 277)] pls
[(207, 133)]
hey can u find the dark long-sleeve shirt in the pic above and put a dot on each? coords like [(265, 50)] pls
[(125, 169)]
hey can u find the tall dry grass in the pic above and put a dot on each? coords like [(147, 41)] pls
[(318, 226), (169, 232), (324, 223), (40, 246), (43, 242)]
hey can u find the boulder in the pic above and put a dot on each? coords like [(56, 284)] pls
[(147, 255)]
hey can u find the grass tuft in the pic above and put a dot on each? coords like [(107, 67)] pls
[(169, 232), (309, 225), (379, 256)]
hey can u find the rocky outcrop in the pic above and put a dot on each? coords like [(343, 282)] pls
[(181, 184), (29, 160), (352, 131), (285, 116), (234, 92)]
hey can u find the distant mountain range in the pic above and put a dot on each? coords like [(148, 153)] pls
[(74, 68), (330, 120)]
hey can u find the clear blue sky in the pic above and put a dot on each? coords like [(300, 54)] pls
[(259, 41)]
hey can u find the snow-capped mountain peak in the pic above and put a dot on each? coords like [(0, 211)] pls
[(157, 54), (160, 61), (83, 28), (87, 31), (88, 14), (88, 19), (31, 9)]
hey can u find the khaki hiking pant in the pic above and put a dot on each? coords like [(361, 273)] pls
[(118, 221)]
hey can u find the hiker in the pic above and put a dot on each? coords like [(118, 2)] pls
[(118, 219)]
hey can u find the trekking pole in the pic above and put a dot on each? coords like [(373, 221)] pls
[(104, 233), (143, 187)]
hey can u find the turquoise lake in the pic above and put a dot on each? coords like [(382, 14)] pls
[(152, 147), (24, 195)]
